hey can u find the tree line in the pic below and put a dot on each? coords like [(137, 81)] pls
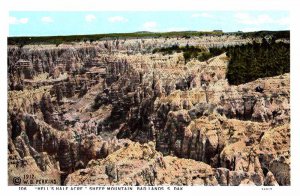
[(252, 61), (247, 62)]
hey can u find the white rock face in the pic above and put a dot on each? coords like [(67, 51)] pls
[(111, 112)]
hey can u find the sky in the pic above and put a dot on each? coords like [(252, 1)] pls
[(36, 23)]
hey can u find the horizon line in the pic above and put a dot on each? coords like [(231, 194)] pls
[(141, 32)]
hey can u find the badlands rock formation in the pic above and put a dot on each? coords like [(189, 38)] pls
[(112, 113)]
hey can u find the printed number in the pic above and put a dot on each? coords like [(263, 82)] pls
[(266, 189), (28, 176)]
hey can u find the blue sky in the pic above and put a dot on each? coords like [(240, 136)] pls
[(33, 23)]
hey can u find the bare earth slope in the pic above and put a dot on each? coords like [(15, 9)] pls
[(113, 113)]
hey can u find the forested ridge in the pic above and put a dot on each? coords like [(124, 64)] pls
[(252, 61), (247, 62)]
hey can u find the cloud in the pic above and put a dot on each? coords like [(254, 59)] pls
[(117, 19), (15, 20), (202, 15), (247, 19), (243, 18), (150, 26), (90, 17), (47, 19)]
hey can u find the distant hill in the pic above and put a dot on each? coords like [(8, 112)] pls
[(141, 34)]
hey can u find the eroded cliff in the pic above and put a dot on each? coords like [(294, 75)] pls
[(113, 113)]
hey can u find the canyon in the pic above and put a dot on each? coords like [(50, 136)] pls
[(112, 112)]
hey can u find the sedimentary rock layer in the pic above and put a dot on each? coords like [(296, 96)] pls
[(113, 113)]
